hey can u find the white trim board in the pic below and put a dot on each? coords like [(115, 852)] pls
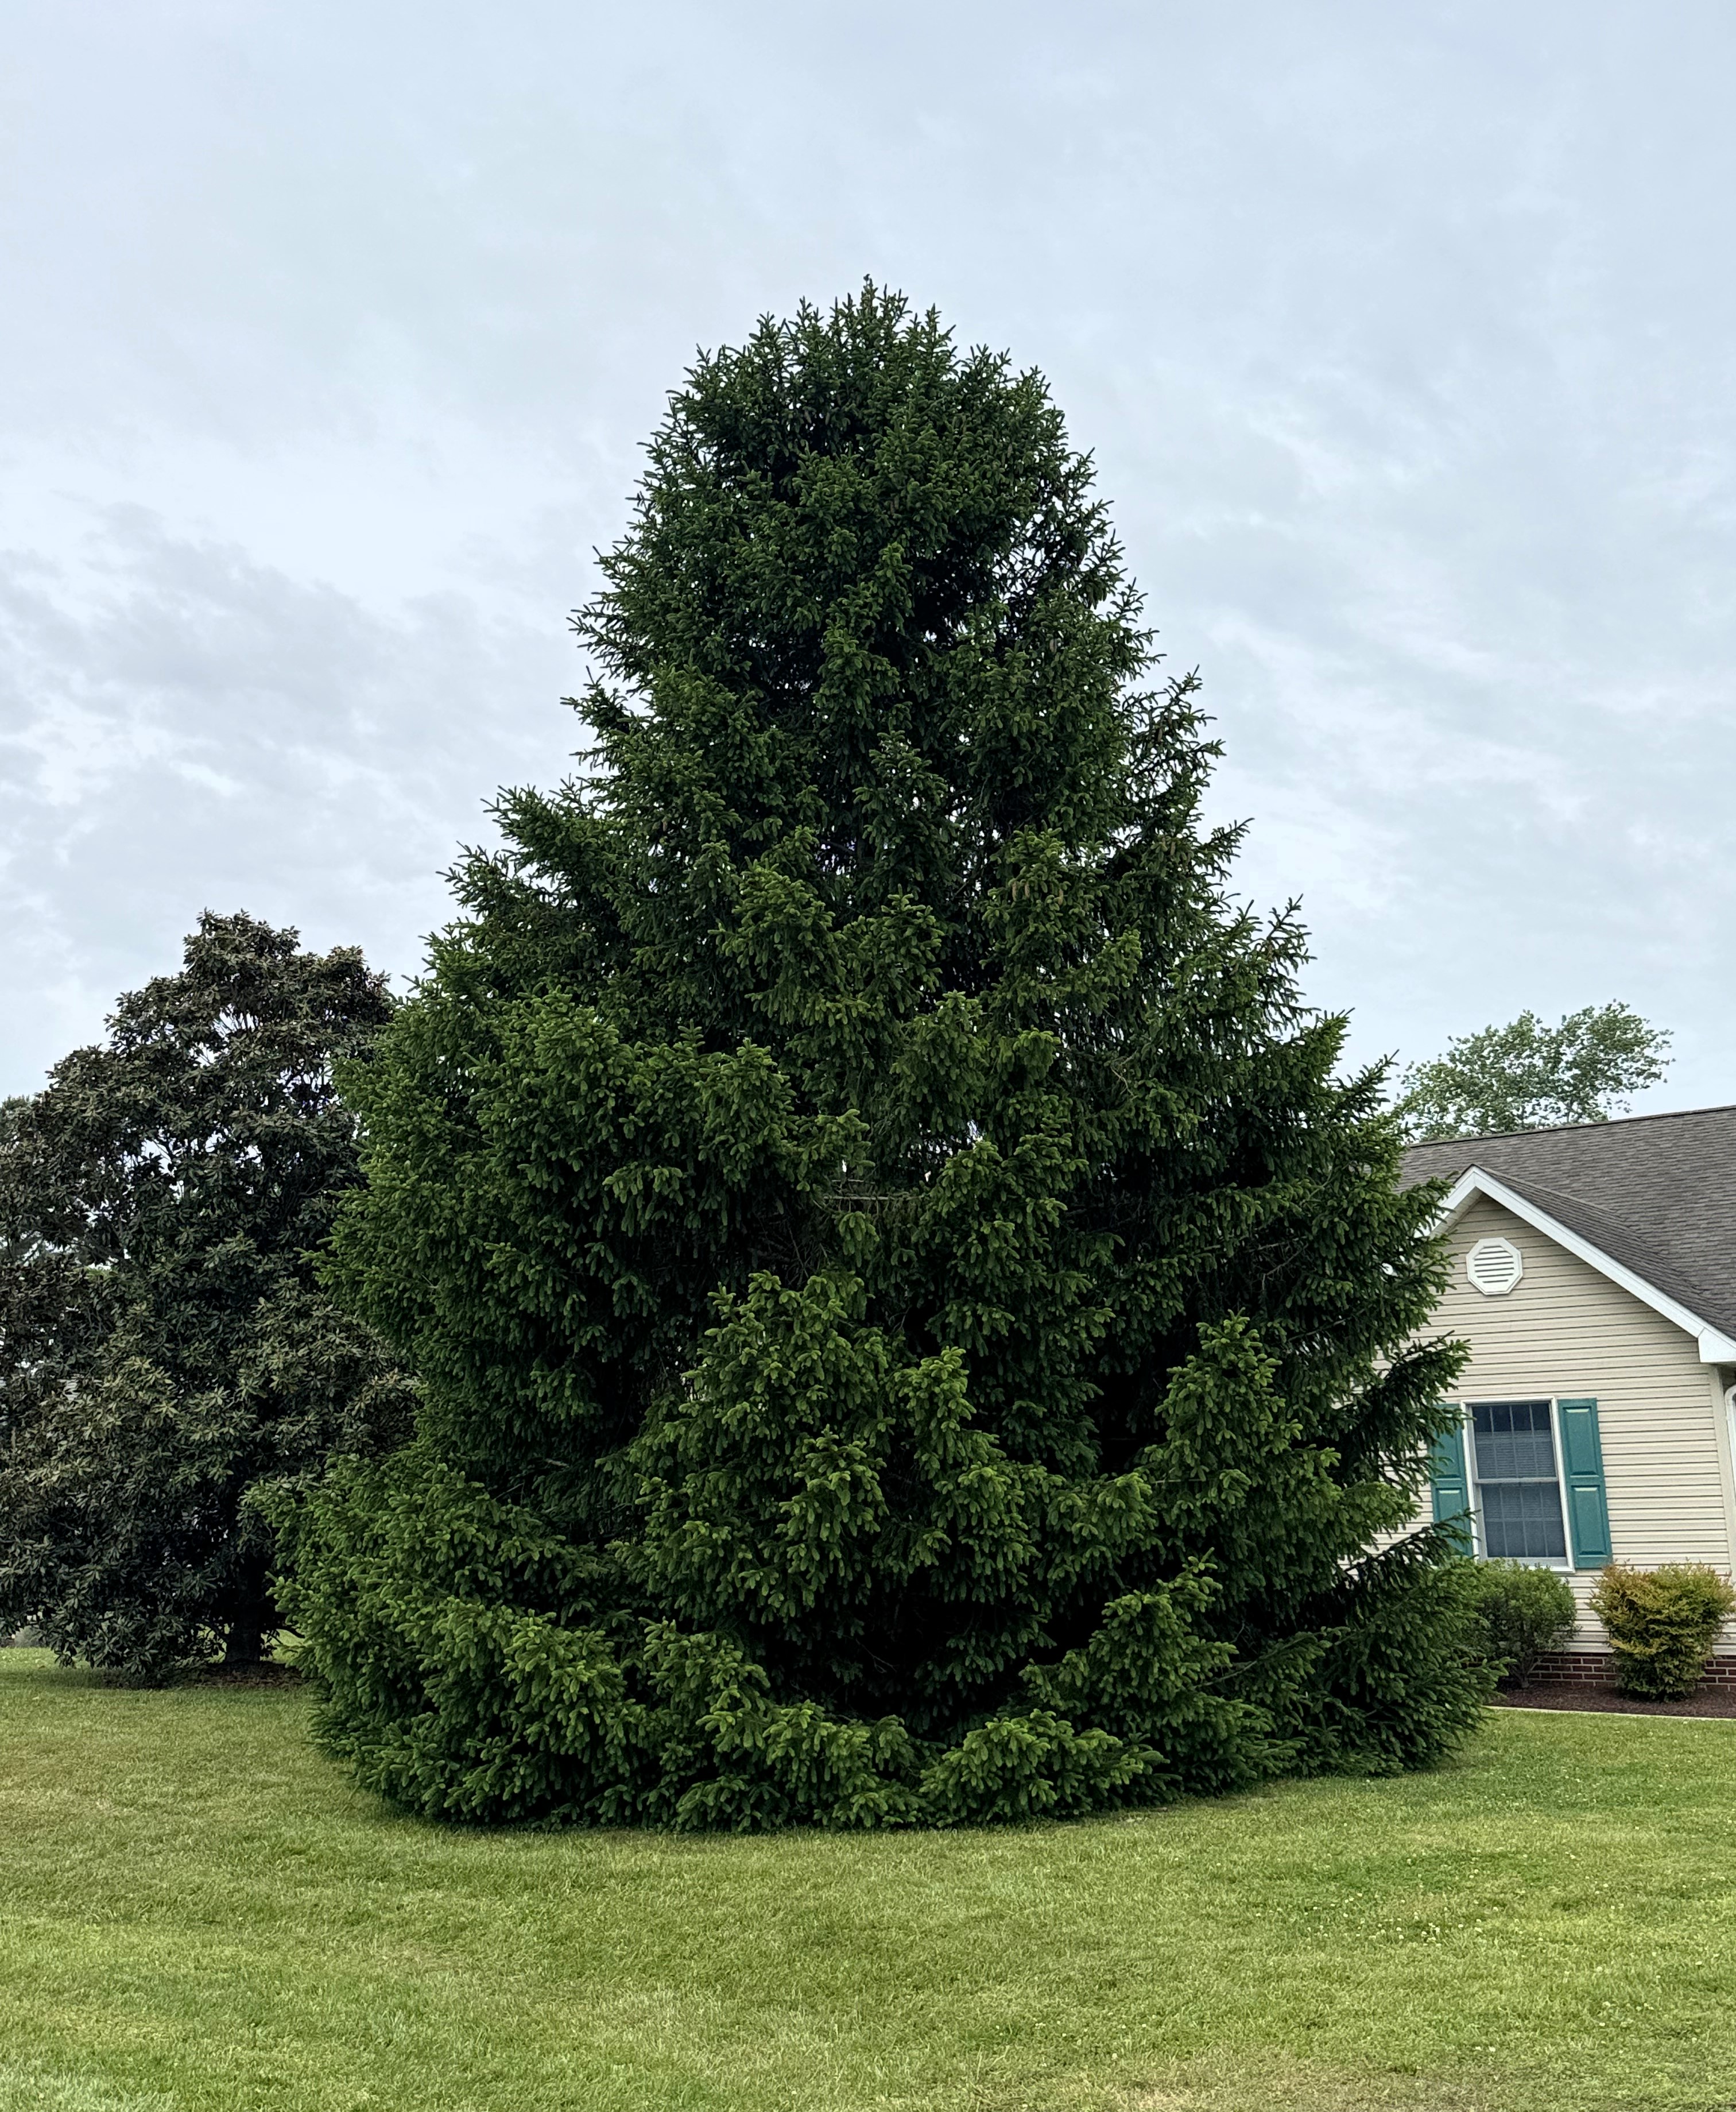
[(1715, 1346)]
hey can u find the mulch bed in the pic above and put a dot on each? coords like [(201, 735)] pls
[(1576, 1695), (265, 1674)]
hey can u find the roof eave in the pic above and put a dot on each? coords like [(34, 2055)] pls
[(1715, 1346)]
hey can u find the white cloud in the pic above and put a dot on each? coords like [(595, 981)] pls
[(181, 728), (1401, 336)]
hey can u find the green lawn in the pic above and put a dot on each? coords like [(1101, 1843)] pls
[(198, 1914)]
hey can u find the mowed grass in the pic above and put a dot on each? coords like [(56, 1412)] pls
[(198, 1914)]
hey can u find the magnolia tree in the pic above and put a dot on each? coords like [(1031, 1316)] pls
[(914, 1326), (165, 1353)]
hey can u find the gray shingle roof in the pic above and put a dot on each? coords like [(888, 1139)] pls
[(1656, 1193)]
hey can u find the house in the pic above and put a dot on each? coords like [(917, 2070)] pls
[(1594, 1277)]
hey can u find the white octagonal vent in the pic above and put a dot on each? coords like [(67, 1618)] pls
[(1494, 1266)]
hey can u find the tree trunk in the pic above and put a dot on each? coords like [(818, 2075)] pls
[(244, 1641)]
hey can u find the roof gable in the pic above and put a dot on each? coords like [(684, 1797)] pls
[(1715, 1346), (1655, 1195)]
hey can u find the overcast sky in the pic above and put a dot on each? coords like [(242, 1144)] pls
[(1402, 336)]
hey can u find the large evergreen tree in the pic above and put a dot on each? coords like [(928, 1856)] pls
[(164, 1349), (914, 1327)]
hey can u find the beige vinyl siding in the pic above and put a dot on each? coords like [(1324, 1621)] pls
[(1564, 1330)]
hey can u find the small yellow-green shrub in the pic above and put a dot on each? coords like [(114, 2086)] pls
[(1661, 1623)]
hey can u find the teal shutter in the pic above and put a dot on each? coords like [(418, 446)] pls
[(1447, 1477), (1582, 1473)]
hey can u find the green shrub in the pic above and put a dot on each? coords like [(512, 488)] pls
[(1661, 1623), (1522, 1611)]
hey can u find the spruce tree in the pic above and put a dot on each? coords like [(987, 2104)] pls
[(914, 1326)]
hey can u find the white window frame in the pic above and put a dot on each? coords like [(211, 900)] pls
[(1562, 1564)]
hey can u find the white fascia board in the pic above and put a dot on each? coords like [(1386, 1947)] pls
[(1715, 1347)]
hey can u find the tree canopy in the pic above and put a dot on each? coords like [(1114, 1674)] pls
[(1529, 1076), (914, 1327), (164, 1349)]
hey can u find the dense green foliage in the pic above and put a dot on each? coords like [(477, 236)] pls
[(1661, 1624), (163, 1349), (1527, 1076), (914, 1328), (1522, 1611)]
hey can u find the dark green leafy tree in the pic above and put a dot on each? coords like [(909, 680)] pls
[(1529, 1076), (164, 1351), (914, 1327)]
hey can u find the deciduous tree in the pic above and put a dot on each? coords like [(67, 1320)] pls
[(163, 1349), (1529, 1076)]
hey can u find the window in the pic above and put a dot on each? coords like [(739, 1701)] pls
[(1518, 1492)]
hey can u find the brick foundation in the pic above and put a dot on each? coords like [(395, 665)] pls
[(1598, 1669)]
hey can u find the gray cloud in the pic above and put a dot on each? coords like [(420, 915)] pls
[(1403, 338), (181, 727)]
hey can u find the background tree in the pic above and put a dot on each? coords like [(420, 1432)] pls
[(163, 1350), (1527, 1076), (913, 1326)]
